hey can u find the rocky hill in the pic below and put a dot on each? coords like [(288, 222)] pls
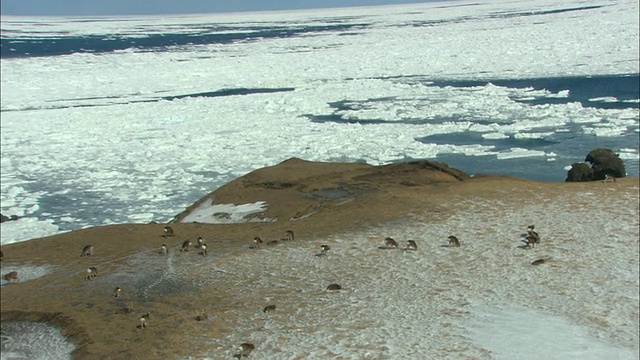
[(351, 206)]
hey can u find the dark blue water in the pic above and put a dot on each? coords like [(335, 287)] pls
[(581, 89), (569, 142), (569, 148), (13, 45)]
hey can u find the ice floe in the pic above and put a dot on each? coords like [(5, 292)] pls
[(134, 135)]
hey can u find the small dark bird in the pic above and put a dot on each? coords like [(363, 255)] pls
[(411, 245), (453, 241), (202, 316), (168, 231), (245, 349), (92, 272), (185, 246), (334, 287), (531, 240), (389, 243), (257, 241), (288, 235)]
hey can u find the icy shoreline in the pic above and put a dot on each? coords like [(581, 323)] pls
[(488, 299), (134, 135)]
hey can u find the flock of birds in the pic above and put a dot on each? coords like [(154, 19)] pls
[(531, 238)]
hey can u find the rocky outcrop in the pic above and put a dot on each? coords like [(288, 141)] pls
[(354, 206), (4, 218), (603, 162), (296, 188), (579, 172), (414, 173)]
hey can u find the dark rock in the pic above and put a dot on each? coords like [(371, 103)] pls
[(605, 162), (579, 172), (4, 218), (315, 187)]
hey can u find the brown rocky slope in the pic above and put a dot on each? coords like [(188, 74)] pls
[(313, 199)]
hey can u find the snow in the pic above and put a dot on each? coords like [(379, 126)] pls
[(26, 228), (605, 99), (25, 272), (629, 154), (483, 300), (604, 131), (495, 136), (91, 133), (520, 135), (210, 213), (519, 153), (520, 333), (17, 338)]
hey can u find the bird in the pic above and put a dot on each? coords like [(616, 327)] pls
[(257, 241), (245, 349), (334, 287), (453, 241), (390, 243), (411, 245)]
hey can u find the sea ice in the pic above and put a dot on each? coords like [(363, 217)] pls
[(114, 136)]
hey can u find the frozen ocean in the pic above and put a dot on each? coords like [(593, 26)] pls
[(131, 119)]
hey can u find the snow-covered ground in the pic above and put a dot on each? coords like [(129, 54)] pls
[(483, 300), (25, 272), (92, 139), (210, 213), (33, 341)]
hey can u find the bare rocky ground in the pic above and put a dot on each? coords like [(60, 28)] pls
[(353, 207)]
